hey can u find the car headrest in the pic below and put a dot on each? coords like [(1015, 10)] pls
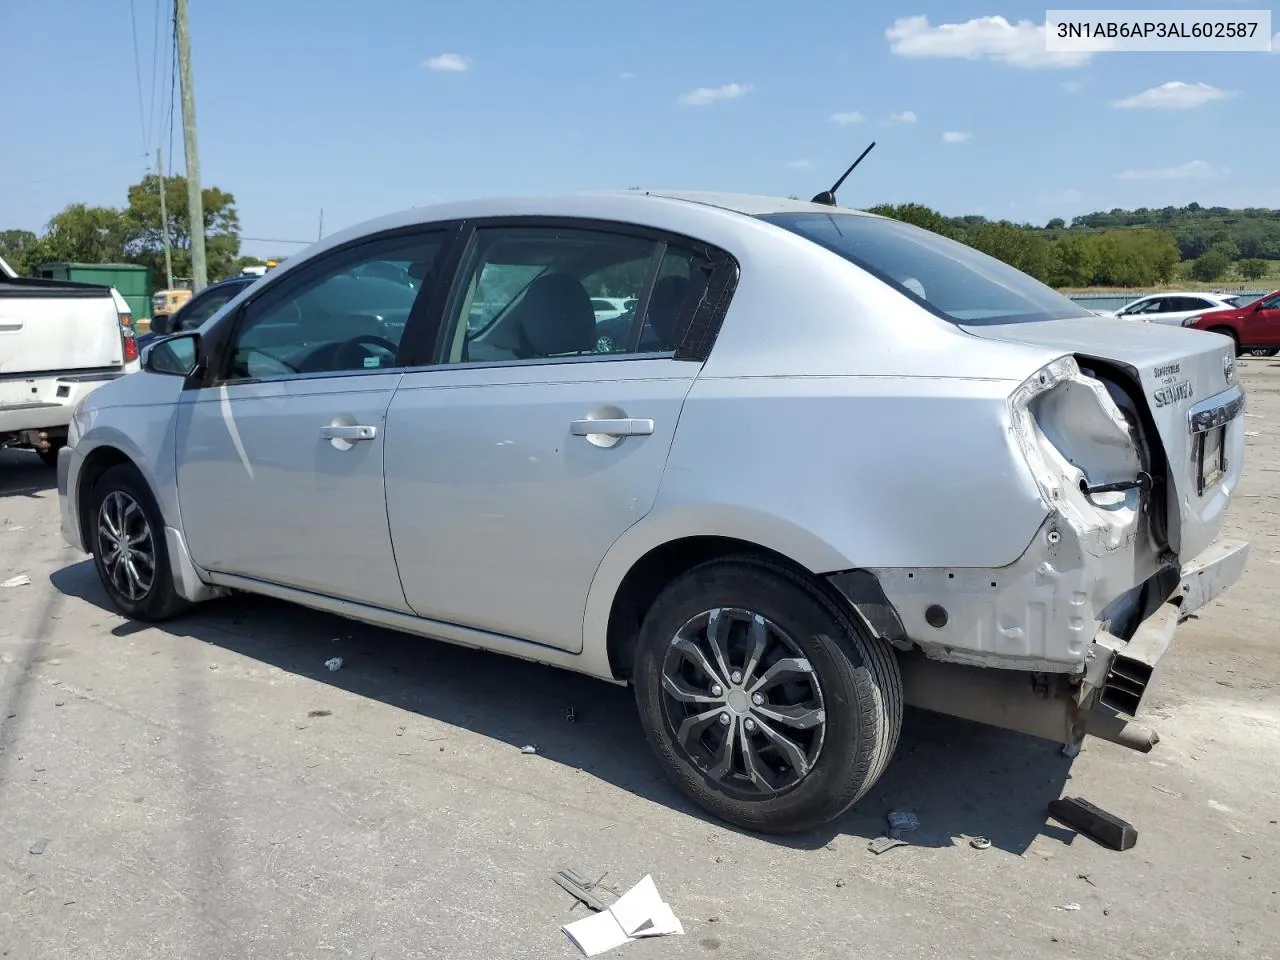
[(665, 307), (556, 317)]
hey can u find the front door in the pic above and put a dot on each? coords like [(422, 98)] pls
[(542, 432), (1263, 326), (279, 460)]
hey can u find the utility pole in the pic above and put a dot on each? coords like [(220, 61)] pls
[(195, 206), (320, 230), (164, 224)]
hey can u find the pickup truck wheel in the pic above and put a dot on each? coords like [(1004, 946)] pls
[(766, 703), (126, 532)]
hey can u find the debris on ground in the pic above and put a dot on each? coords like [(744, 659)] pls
[(580, 887), (319, 713), (903, 822), (638, 913), (528, 748), (1094, 822), (1067, 906), (882, 844), (334, 663), (1086, 879), (21, 580), (980, 843), (840, 882), (38, 847)]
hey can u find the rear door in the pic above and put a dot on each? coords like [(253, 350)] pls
[(279, 452), (538, 434)]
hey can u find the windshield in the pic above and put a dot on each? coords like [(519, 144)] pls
[(950, 279)]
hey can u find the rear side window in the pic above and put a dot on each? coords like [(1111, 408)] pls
[(950, 279)]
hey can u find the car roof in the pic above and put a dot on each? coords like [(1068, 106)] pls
[(608, 204)]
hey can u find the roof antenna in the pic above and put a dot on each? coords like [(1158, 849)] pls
[(829, 197)]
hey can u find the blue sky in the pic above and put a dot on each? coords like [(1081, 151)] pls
[(311, 104)]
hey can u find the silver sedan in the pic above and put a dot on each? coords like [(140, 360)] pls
[(824, 465)]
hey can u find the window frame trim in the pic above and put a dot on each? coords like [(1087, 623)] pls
[(695, 342), (218, 342)]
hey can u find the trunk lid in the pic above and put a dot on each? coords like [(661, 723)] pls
[(49, 326), (1188, 386)]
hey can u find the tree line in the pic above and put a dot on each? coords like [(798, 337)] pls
[(133, 234), (1138, 248)]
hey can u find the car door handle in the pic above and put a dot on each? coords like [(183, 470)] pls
[(629, 427), (352, 432)]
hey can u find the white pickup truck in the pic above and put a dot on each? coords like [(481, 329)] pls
[(58, 342)]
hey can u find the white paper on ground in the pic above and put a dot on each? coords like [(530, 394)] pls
[(640, 912)]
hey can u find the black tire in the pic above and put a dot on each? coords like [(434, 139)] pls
[(1263, 351), (159, 600), (858, 686), (1228, 332)]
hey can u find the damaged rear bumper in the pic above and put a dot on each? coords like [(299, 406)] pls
[(1105, 699)]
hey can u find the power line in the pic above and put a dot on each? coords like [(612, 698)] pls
[(155, 70), (137, 74), (173, 72)]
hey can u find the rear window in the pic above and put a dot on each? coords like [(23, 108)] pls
[(952, 280)]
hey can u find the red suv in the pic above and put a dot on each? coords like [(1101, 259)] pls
[(1254, 327)]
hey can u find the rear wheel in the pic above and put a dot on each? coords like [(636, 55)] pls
[(126, 535), (1263, 351), (1228, 332), (766, 703)]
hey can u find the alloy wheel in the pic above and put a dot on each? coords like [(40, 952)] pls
[(743, 701), (126, 545)]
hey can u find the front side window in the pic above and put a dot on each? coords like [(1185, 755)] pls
[(550, 293), (951, 280), (347, 315), (1271, 303)]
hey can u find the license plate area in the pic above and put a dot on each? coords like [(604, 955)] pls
[(1211, 457)]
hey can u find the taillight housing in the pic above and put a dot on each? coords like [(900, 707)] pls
[(130, 344)]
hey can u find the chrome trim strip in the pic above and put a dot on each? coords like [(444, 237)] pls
[(1215, 411)]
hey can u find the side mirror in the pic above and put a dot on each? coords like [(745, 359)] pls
[(176, 356)]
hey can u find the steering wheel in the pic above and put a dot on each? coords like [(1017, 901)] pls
[(345, 359)]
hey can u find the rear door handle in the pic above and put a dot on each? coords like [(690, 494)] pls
[(352, 433), (612, 428)]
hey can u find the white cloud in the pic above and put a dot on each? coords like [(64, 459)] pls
[(1174, 95), (800, 164), (1195, 170), (849, 116), (1020, 44), (1275, 43), (452, 62), (906, 116), (706, 95), (954, 136)]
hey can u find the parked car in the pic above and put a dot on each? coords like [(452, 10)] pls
[(1254, 327), (59, 341), (198, 309), (840, 465), (1173, 308)]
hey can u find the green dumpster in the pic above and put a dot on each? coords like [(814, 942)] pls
[(133, 280)]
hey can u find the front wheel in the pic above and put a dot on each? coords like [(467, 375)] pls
[(766, 703), (126, 533)]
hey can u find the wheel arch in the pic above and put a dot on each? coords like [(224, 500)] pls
[(655, 551), (96, 463)]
